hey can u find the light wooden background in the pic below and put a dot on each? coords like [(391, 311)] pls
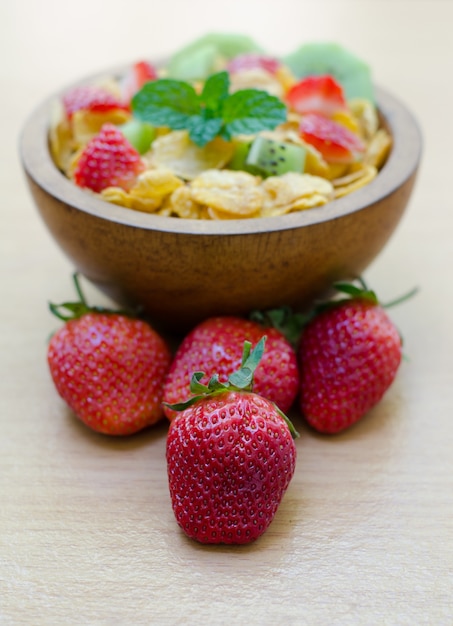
[(364, 535)]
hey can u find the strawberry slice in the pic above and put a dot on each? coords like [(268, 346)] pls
[(335, 142), (91, 98), (317, 94), (244, 62), (139, 73), (108, 160)]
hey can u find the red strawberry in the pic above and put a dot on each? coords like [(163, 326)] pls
[(109, 368), (251, 61), (230, 458), (91, 98), (139, 73), (336, 143), (108, 160), (349, 356), (316, 94), (215, 346)]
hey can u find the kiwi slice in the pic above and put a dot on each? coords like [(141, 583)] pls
[(198, 60), (273, 158), (316, 59), (239, 158)]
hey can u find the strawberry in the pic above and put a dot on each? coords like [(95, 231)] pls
[(138, 74), (108, 367), (215, 346), (316, 94), (251, 61), (334, 141), (349, 355), (230, 458), (108, 160), (91, 98)]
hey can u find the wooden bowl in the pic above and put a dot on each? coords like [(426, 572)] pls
[(182, 271)]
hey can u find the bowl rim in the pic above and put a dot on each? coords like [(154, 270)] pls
[(401, 164)]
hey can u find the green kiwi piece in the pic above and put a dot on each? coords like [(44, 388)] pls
[(239, 158), (274, 158), (316, 59), (197, 60)]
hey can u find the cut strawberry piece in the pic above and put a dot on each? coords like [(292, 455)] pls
[(336, 143), (245, 62), (91, 98), (317, 94), (108, 160), (140, 73)]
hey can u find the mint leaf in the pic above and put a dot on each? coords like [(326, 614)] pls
[(215, 91), (248, 111), (175, 104), (203, 130), (166, 102)]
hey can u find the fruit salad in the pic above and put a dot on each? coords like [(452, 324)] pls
[(224, 131)]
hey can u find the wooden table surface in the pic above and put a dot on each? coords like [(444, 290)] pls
[(365, 532)]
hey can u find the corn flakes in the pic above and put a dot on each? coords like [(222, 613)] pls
[(293, 191), (236, 193), (176, 152)]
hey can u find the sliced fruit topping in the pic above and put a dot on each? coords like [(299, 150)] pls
[(138, 75), (273, 158), (199, 59), (108, 160), (317, 94), (336, 143), (139, 134), (252, 61), (315, 59), (239, 158), (90, 98)]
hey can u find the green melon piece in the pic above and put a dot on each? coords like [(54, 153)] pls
[(197, 60), (315, 59), (274, 158), (139, 134)]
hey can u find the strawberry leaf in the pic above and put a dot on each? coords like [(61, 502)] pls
[(195, 386), (357, 292)]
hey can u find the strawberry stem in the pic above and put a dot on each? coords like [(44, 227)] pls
[(75, 278), (74, 310), (402, 298)]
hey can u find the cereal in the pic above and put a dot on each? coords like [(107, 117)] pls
[(235, 193), (294, 191), (187, 164), (60, 139), (176, 152), (86, 124), (181, 204), (378, 149), (149, 192), (366, 116), (355, 180)]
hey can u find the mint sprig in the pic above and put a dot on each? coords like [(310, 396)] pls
[(176, 105)]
